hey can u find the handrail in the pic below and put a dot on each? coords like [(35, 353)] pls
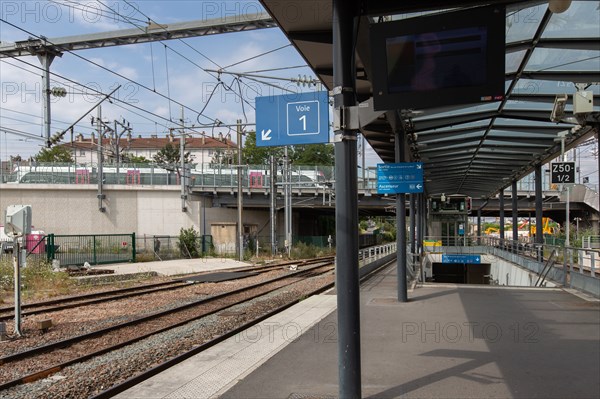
[(546, 269)]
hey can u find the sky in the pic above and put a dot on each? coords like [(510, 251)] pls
[(155, 79)]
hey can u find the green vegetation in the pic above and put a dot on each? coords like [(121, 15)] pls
[(134, 159), (37, 280), (188, 242), (169, 158), (304, 251), (311, 154), (55, 154)]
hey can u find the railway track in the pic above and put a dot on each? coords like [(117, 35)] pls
[(70, 302), (42, 361), (7, 312)]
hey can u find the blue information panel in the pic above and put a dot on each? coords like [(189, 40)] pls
[(301, 118), (460, 258), (400, 178)]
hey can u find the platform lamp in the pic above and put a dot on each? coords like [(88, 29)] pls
[(559, 6)]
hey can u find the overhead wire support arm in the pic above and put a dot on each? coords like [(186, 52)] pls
[(153, 32)]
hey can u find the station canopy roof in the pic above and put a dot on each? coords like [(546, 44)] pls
[(474, 150)]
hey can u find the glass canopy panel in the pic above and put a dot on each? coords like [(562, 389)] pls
[(521, 25), (460, 111), (582, 19), (534, 86), (513, 60), (546, 59)]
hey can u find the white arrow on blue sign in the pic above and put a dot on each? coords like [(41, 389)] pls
[(400, 178), (300, 118)]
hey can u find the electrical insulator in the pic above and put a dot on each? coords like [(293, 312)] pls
[(59, 92)]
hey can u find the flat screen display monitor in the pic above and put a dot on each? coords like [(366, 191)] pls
[(440, 60)]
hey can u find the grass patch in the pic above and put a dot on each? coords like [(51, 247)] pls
[(38, 280)]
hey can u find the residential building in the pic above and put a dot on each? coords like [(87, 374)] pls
[(202, 149)]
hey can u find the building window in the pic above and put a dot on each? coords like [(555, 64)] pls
[(81, 153)]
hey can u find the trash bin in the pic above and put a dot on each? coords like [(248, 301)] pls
[(35, 243)]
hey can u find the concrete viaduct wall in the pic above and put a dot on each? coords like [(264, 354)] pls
[(73, 209)]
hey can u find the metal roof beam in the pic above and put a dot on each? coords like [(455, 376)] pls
[(566, 76), (438, 123), (563, 43), (313, 36)]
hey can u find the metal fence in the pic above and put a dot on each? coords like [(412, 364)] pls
[(76, 250), (94, 249), (164, 247)]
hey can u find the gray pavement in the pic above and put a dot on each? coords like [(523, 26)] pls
[(448, 341)]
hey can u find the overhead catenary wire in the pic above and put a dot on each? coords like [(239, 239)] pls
[(116, 100), (99, 66), (129, 19), (257, 56), (178, 53)]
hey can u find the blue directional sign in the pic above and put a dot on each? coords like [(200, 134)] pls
[(400, 178), (301, 118), (461, 258)]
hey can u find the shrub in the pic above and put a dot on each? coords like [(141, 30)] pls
[(188, 242)]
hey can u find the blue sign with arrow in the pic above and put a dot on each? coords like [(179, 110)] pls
[(460, 258), (289, 119), (400, 178)]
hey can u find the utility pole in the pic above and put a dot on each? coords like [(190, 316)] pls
[(240, 192), (273, 206), (182, 161), (99, 129), (287, 189), (46, 57)]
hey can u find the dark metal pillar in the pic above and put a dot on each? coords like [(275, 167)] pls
[(539, 233), (515, 212), (401, 226), (479, 226), (413, 222), (501, 206), (346, 201), (420, 222)]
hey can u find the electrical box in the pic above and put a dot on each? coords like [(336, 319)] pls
[(583, 102), (17, 220)]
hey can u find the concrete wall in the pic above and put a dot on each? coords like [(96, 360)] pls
[(73, 209), (502, 271)]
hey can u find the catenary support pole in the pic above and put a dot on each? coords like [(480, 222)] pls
[(273, 205), (346, 201), (46, 59), (100, 131), (240, 193), (182, 173)]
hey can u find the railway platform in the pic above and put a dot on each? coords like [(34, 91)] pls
[(175, 267), (448, 341)]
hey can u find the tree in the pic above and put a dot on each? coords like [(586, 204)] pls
[(54, 154), (168, 157), (253, 155), (314, 154), (130, 158)]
